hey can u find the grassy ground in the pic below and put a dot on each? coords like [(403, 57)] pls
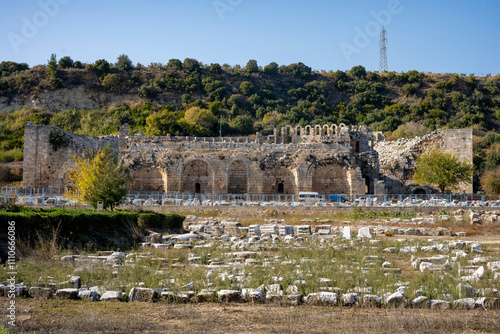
[(80, 317), (338, 260)]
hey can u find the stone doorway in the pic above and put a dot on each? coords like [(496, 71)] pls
[(197, 177)]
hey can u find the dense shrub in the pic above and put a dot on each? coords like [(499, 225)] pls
[(151, 219), (82, 228)]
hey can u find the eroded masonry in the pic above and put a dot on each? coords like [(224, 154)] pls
[(327, 159)]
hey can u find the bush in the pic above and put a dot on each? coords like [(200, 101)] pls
[(66, 62), (410, 130), (490, 182), (215, 68), (112, 82), (174, 63), (358, 72), (408, 90), (191, 65), (124, 63), (76, 228), (151, 219), (15, 154), (272, 68), (247, 88), (252, 66)]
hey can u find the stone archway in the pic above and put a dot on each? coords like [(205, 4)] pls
[(237, 178), (330, 179), (197, 177)]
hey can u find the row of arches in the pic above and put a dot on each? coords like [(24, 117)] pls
[(317, 130), (199, 177)]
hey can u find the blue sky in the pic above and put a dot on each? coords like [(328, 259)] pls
[(446, 36)]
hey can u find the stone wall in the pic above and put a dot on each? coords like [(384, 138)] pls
[(330, 159), (398, 158), (327, 159), (47, 167)]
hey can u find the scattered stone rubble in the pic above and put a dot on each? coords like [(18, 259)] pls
[(246, 246), (363, 201)]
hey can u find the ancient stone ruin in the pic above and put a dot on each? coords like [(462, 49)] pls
[(327, 159)]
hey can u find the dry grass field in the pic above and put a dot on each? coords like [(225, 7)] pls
[(56, 316)]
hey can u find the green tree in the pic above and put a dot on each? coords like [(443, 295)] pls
[(247, 88), (124, 63), (215, 68), (98, 177), (200, 120), (66, 62), (442, 170), (408, 89), (493, 157), (100, 67), (112, 82), (252, 66), (175, 63), (242, 124), (165, 121), (358, 72), (52, 67), (191, 65), (272, 68), (490, 181)]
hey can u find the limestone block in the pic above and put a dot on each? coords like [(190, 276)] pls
[(254, 230), (253, 295), (228, 295), (69, 293), (303, 230), (40, 293), (464, 304), (350, 299), (370, 299), (395, 299), (487, 303), (364, 232), (269, 229), (346, 233), (323, 229), (285, 230), (113, 296), (142, 295), (439, 304), (206, 295), (322, 299), (90, 295), (420, 302)]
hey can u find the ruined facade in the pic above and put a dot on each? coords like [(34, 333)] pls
[(397, 159), (327, 159)]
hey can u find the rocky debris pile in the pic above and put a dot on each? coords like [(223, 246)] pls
[(403, 151)]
